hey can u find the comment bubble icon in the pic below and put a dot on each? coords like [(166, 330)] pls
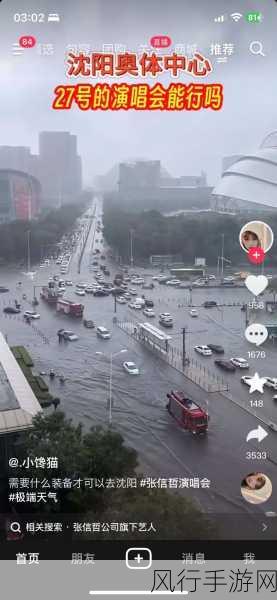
[(256, 333)]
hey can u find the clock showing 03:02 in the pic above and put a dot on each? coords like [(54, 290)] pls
[(29, 17)]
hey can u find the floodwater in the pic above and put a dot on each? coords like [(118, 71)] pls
[(139, 403)]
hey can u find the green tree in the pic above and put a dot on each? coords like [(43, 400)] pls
[(102, 454), (45, 232), (97, 454), (173, 515)]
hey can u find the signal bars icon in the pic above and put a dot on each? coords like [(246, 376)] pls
[(220, 19)]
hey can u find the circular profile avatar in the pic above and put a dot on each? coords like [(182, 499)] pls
[(256, 234), (256, 488)]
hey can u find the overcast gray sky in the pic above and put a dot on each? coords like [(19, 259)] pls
[(185, 142)]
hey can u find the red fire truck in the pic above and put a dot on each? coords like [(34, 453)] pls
[(73, 309), (187, 413)]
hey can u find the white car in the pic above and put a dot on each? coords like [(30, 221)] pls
[(211, 277), (121, 300), (271, 382), (175, 282), (133, 292), (137, 280), (68, 283), (166, 322), (148, 312), (81, 286), (193, 312), (70, 335), (240, 362), (165, 316), (90, 289), (103, 332), (204, 350), (131, 368), (198, 284), (31, 314), (246, 379), (159, 277), (80, 292), (135, 305)]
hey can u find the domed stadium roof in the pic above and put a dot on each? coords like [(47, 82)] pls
[(253, 178)]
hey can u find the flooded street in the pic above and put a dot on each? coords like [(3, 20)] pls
[(139, 403)]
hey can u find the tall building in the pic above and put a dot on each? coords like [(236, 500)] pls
[(19, 158), (139, 174), (60, 167), (185, 181)]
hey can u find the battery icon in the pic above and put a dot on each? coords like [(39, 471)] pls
[(254, 17)]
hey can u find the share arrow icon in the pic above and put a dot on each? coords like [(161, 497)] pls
[(257, 434)]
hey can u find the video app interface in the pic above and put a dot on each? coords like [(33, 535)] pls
[(138, 272)]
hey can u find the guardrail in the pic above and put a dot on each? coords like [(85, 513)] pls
[(193, 370)]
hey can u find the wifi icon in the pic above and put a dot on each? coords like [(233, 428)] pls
[(236, 16)]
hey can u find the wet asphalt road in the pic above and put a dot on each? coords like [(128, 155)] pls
[(139, 411)]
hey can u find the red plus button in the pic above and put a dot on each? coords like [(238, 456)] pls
[(256, 255)]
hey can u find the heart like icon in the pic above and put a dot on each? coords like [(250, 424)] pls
[(256, 284)]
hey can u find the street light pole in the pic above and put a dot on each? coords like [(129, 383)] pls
[(110, 399), (131, 248), (110, 386), (184, 346), (222, 256)]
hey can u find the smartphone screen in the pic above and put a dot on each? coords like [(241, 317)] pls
[(138, 295)]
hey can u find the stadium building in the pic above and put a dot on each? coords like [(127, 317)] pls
[(19, 196), (252, 179)]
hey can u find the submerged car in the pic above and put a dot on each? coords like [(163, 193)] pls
[(88, 323), (11, 310), (226, 365), (121, 300), (148, 312), (69, 335), (240, 362), (246, 379), (135, 305), (103, 333), (174, 282), (216, 348), (131, 368), (271, 382), (209, 303), (31, 314), (204, 350)]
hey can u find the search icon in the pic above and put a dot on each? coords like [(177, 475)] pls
[(256, 47), (15, 527)]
